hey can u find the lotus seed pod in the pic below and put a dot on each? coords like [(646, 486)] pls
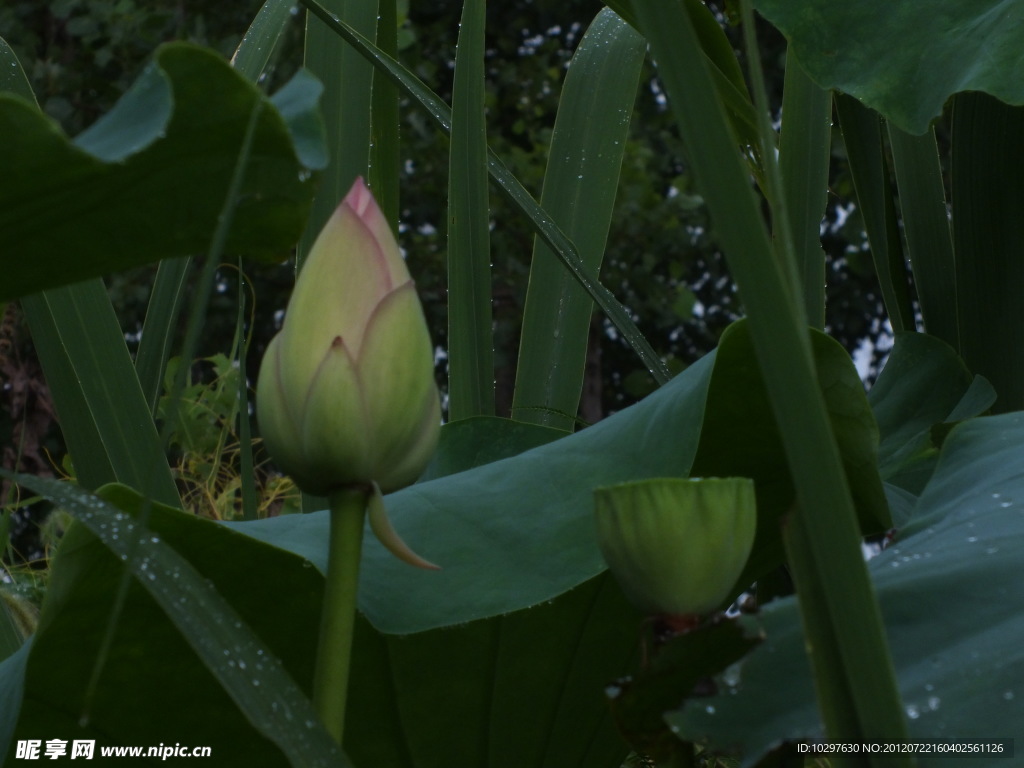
[(676, 546)]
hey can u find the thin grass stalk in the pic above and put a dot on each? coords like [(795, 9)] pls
[(865, 151), (580, 185), (470, 335), (926, 225), (247, 466), (988, 201), (804, 160), (259, 43)]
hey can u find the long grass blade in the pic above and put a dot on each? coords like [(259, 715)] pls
[(258, 43), (783, 353), (988, 203), (551, 234), (158, 329), (105, 417), (865, 150), (804, 158), (12, 74), (580, 184), (346, 105), (926, 224), (470, 341)]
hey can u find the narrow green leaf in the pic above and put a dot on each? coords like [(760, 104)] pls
[(580, 184), (247, 669), (988, 201), (804, 161), (12, 75), (926, 223), (865, 150), (258, 42), (105, 418), (470, 339), (92, 465), (551, 234), (782, 346), (159, 327), (156, 162), (348, 80)]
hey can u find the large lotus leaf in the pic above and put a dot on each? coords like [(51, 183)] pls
[(473, 442), (149, 179), (154, 687), (526, 688), (516, 532), (906, 59), (521, 689), (739, 438), (953, 613), (923, 384)]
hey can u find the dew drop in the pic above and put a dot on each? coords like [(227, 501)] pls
[(709, 709), (1008, 695), (912, 711)]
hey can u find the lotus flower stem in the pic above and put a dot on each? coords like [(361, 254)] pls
[(337, 621)]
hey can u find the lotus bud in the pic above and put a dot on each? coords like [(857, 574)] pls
[(346, 389), (676, 546)]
